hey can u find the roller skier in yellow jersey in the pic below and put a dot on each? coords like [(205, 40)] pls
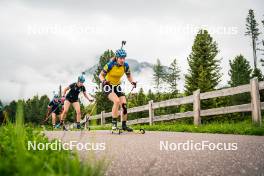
[(110, 77)]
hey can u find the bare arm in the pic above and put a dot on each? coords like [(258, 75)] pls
[(65, 91), (130, 78), (102, 76), (89, 98)]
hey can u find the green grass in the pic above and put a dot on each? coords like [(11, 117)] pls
[(16, 159), (243, 127), (106, 127)]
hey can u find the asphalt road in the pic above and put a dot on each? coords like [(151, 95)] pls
[(137, 154)]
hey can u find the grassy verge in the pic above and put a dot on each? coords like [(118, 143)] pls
[(16, 159), (244, 127)]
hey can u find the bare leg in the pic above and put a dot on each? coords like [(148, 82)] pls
[(65, 110), (114, 98), (77, 108), (53, 115)]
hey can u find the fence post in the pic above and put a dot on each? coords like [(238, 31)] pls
[(102, 118), (255, 101), (151, 112), (196, 108)]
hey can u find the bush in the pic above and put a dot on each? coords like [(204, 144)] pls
[(16, 159)]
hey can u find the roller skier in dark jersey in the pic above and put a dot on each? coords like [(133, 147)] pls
[(71, 94), (55, 108)]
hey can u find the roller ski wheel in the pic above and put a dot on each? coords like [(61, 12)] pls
[(116, 131), (140, 131)]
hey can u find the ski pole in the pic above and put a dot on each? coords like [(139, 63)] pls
[(93, 109), (123, 43), (90, 114)]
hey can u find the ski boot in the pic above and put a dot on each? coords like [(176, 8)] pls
[(58, 125), (125, 127), (79, 127), (115, 129)]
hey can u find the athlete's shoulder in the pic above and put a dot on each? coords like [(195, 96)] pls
[(83, 88), (109, 65), (126, 64), (72, 84), (127, 69)]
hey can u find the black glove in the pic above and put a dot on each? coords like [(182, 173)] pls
[(134, 84)]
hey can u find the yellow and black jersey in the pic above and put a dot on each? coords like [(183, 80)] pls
[(114, 72)]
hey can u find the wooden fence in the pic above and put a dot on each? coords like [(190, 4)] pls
[(255, 106)]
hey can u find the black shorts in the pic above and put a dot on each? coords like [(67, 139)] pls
[(72, 100), (107, 89), (57, 111)]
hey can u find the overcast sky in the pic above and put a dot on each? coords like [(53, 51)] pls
[(47, 43)]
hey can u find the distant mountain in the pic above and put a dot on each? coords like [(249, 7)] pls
[(138, 67), (135, 66)]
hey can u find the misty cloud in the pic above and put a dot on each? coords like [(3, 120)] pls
[(48, 43)]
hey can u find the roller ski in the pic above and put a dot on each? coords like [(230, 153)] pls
[(130, 130), (119, 131), (140, 131), (115, 129), (125, 128)]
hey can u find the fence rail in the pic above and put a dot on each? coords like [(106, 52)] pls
[(254, 107)]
